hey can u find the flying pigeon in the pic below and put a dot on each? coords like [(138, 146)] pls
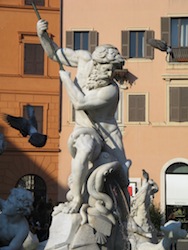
[(161, 45), (27, 127), (3, 144), (145, 175)]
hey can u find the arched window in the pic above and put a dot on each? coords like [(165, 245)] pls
[(178, 167), (176, 176), (35, 184)]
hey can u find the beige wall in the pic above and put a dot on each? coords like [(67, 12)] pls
[(154, 144)]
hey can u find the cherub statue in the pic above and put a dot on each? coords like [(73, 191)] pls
[(14, 227)]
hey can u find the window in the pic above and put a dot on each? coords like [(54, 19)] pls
[(33, 59), (178, 104), (38, 115), (81, 40), (136, 108), (175, 32), (37, 2), (86, 40), (34, 184), (179, 32), (134, 44)]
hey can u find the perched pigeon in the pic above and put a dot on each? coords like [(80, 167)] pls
[(3, 144), (27, 127), (145, 175), (161, 45)]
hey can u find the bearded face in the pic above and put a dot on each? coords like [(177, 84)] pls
[(100, 76), (106, 59)]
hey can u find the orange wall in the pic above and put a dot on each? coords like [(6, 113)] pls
[(17, 89), (149, 146)]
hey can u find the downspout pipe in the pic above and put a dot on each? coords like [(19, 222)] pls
[(60, 83)]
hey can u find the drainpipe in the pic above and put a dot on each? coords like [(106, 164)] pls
[(60, 83)]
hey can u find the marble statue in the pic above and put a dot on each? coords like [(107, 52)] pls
[(94, 95), (172, 231), (140, 227), (14, 227), (95, 145), (97, 213)]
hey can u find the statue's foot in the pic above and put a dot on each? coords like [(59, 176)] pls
[(68, 207), (71, 207)]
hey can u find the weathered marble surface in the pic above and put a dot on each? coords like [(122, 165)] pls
[(95, 145), (14, 227), (172, 232)]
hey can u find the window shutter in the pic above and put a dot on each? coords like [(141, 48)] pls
[(33, 59), (165, 29), (93, 40), (174, 104), (136, 108), (183, 104), (39, 63), (37, 2), (70, 39), (149, 50), (132, 109), (141, 108), (125, 43)]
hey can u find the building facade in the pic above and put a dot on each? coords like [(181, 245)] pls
[(28, 77), (153, 107)]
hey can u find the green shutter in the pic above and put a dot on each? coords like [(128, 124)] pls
[(165, 29), (149, 50), (137, 108), (125, 43), (93, 40), (174, 104), (183, 104), (70, 39)]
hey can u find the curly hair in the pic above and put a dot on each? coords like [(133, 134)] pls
[(107, 53), (24, 200)]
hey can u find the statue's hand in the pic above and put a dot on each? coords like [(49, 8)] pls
[(42, 26)]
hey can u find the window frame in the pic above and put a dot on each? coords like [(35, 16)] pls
[(179, 84), (125, 43), (29, 38), (92, 39), (180, 54), (137, 44), (33, 59), (146, 108), (45, 113), (45, 3)]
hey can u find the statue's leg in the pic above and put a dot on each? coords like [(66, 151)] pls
[(85, 146)]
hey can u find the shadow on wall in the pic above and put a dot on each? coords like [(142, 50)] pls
[(131, 78), (16, 163)]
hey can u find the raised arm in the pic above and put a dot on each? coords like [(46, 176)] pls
[(67, 56)]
